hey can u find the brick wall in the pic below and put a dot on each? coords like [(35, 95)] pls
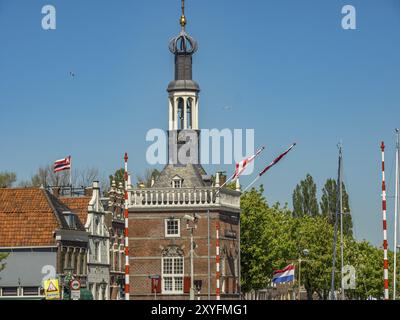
[(147, 240)]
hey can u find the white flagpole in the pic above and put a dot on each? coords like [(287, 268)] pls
[(273, 163), (254, 181), (70, 172), (258, 152), (223, 185)]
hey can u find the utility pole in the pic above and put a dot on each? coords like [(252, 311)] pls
[(396, 208), (208, 258), (299, 277), (191, 227), (338, 211), (341, 223), (191, 266)]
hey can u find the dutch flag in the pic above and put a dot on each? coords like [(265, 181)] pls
[(284, 275)]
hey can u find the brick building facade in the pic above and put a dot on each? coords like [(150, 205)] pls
[(159, 241)]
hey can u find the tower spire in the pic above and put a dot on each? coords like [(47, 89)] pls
[(183, 20)]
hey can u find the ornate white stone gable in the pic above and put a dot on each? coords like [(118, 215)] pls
[(99, 247)]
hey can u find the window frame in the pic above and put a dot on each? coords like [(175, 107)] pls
[(10, 295), (173, 275), (178, 235), (97, 254), (30, 294)]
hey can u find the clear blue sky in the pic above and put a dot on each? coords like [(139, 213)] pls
[(285, 68)]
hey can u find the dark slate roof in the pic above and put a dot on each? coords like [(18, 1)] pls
[(183, 85), (78, 205), (191, 174), (59, 208)]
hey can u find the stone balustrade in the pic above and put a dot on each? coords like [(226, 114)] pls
[(182, 197)]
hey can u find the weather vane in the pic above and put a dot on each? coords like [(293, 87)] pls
[(183, 18)]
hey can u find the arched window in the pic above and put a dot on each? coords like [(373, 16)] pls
[(172, 270), (180, 114), (189, 113)]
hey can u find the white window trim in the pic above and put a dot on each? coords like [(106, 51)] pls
[(223, 275), (178, 235), (173, 275), (177, 179)]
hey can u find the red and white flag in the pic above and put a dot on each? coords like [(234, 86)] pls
[(62, 164), (276, 160), (242, 165)]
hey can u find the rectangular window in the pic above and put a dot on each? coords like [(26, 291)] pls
[(31, 291), (121, 257), (223, 276), (172, 275), (177, 184), (178, 284), (168, 284), (172, 228), (10, 291), (168, 265), (97, 251)]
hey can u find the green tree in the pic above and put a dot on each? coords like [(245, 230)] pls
[(266, 240), (328, 205), (7, 179), (147, 177), (118, 177), (3, 256), (252, 223), (305, 198), (368, 263)]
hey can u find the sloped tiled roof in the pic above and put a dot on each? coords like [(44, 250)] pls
[(29, 216), (190, 173), (79, 205)]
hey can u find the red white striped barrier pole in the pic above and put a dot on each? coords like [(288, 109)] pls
[(126, 232), (385, 242), (217, 258)]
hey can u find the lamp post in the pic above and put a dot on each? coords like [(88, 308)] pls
[(305, 252), (194, 219)]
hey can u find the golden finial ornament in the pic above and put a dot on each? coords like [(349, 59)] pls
[(183, 18)]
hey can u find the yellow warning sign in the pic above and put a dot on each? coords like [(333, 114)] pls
[(52, 289)]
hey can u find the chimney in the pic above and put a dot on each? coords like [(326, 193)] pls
[(96, 189), (222, 178), (56, 191), (89, 191)]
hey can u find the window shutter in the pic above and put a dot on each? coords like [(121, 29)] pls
[(227, 279), (186, 285), (159, 285), (158, 288)]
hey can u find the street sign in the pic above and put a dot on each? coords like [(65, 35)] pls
[(75, 294), (52, 289), (75, 285)]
